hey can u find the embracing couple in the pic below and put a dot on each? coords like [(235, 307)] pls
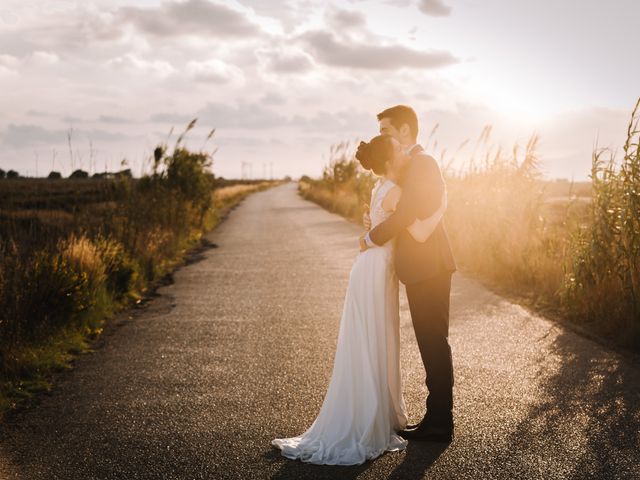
[(363, 414)]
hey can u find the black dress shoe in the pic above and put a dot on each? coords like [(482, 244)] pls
[(413, 426), (428, 431)]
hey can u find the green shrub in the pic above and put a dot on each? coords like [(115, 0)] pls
[(39, 294)]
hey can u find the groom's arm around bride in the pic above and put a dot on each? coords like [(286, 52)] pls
[(422, 190)]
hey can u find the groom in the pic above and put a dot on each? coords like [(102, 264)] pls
[(424, 268)]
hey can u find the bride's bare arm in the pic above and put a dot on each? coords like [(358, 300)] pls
[(391, 199)]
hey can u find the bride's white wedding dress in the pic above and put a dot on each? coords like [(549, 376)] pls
[(363, 407)]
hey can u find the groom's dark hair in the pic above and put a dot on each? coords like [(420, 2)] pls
[(399, 115)]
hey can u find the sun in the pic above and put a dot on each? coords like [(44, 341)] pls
[(520, 102)]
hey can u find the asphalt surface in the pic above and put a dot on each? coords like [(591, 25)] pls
[(239, 350)]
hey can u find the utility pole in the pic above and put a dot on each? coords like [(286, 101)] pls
[(246, 171)]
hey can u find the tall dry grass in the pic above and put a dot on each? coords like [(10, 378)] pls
[(344, 187), (578, 257), (499, 225), (603, 284)]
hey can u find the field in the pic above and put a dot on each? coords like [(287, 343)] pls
[(74, 251), (38, 208), (569, 250)]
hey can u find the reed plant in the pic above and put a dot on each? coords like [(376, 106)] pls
[(576, 257), (344, 187), (602, 288)]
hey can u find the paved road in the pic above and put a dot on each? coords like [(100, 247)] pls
[(239, 349)]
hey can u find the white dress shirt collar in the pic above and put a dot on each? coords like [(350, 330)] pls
[(408, 149)]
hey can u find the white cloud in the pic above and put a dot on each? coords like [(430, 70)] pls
[(70, 30), (44, 58), (285, 60), (133, 64), (191, 17), (11, 65), (171, 117), (342, 20), (435, 8), (214, 71), (8, 17), (243, 115), (290, 14), (8, 66), (113, 119), (9, 61), (331, 51), (273, 98), (7, 72), (21, 136)]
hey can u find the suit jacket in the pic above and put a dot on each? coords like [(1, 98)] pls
[(422, 190)]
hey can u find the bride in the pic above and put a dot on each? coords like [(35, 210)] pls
[(363, 407)]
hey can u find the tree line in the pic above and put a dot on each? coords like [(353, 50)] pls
[(54, 175)]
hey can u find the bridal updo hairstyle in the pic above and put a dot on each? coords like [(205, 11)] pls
[(375, 154)]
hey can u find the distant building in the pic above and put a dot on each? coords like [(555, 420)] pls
[(111, 175)]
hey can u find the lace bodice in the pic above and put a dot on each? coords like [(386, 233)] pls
[(379, 191)]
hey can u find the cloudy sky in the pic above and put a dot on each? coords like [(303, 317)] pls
[(283, 80)]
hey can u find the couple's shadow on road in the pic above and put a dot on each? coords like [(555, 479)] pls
[(414, 462)]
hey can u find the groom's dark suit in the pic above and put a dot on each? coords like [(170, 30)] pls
[(425, 268)]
